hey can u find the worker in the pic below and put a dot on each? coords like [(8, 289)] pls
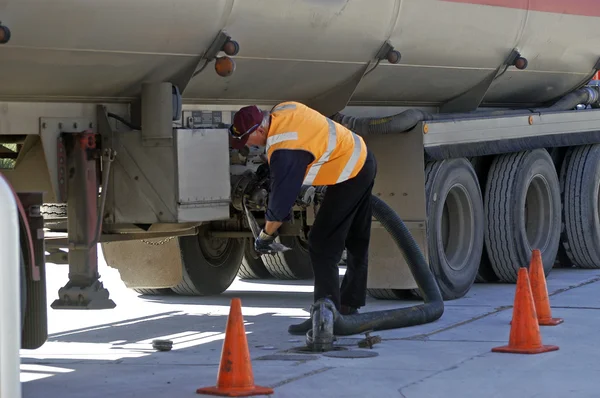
[(303, 147)]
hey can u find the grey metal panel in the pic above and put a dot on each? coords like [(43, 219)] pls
[(143, 182), (42, 74), (121, 43), (504, 128), (532, 87), (269, 81), (203, 191), (405, 85), (400, 183), (127, 26)]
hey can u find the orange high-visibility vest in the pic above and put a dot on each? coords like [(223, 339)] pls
[(339, 153)]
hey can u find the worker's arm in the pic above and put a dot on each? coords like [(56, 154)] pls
[(287, 168)]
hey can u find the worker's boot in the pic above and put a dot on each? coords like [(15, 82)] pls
[(302, 328)]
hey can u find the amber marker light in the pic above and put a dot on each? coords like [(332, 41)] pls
[(224, 66)]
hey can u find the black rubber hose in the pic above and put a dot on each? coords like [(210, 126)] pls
[(407, 120), (430, 311)]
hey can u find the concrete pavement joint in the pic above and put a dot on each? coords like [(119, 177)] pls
[(575, 308), (566, 289), (302, 376), (424, 336), (455, 366)]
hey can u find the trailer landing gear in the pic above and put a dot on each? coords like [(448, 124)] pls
[(84, 289)]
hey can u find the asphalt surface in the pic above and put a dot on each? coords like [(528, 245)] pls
[(108, 353)]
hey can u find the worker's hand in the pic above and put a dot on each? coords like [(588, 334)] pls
[(262, 244), (265, 244)]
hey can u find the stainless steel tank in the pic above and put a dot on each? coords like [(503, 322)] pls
[(102, 50)]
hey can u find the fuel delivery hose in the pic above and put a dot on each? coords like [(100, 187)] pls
[(433, 306), (408, 119), (431, 310)]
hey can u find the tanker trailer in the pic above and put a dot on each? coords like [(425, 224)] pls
[(114, 117)]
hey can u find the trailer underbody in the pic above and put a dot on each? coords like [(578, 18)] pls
[(477, 193)]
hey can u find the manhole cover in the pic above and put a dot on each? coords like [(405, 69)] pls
[(287, 357), (306, 350), (351, 354)]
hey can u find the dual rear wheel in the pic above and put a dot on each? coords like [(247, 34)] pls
[(486, 215)]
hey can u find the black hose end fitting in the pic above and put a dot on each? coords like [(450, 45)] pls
[(4, 34)]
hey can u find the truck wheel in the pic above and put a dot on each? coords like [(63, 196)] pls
[(209, 264), (580, 183), (455, 224), (293, 264), (522, 207), (481, 164), (55, 216), (252, 268), (153, 292)]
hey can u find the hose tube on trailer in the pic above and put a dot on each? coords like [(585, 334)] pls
[(433, 306), (407, 120)]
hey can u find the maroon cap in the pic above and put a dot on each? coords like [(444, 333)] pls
[(245, 121)]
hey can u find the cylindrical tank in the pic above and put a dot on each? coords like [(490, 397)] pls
[(102, 50)]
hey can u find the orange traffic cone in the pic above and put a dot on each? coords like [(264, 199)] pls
[(235, 377), (540, 291), (525, 335)]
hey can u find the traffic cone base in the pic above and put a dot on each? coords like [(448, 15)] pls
[(235, 392), (525, 337), (539, 290), (550, 321), (235, 377), (514, 350)]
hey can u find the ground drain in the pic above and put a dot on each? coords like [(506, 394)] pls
[(351, 354), (306, 350)]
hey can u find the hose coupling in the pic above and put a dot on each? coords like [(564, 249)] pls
[(323, 314)]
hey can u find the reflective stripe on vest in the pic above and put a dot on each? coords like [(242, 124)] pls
[(339, 153)]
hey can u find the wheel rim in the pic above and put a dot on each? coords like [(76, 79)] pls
[(457, 226), (215, 250), (538, 212)]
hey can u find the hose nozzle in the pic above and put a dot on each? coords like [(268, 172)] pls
[(320, 337)]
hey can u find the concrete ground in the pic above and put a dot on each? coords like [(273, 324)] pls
[(108, 353)]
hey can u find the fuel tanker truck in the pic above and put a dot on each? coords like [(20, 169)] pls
[(114, 115)]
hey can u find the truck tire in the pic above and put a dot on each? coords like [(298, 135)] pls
[(55, 216), (252, 268), (293, 264), (152, 292), (482, 164), (54, 211), (23, 292), (34, 310), (209, 264), (580, 183), (522, 208), (455, 224)]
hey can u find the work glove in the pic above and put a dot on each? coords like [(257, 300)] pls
[(265, 244)]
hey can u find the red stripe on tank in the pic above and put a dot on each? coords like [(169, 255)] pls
[(590, 8)]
